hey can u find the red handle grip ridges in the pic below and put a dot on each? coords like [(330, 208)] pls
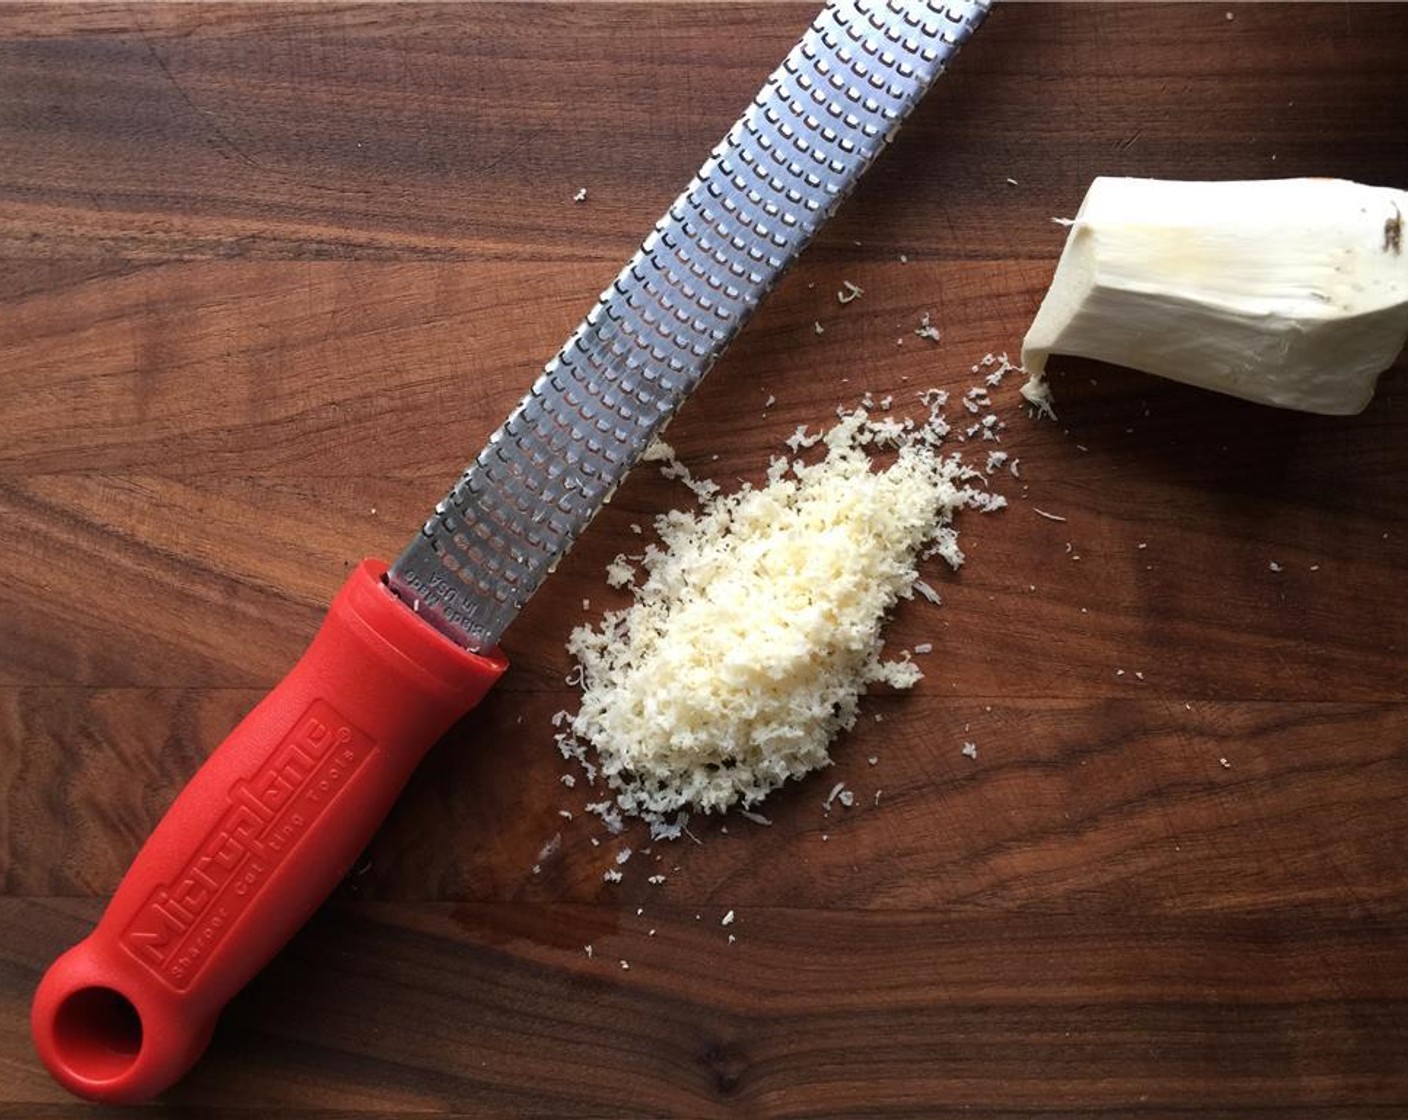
[(253, 844)]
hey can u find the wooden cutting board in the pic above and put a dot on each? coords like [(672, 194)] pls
[(268, 277)]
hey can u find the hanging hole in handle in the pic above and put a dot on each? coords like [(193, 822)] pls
[(97, 1033)]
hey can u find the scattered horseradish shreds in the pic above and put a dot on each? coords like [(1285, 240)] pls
[(758, 625)]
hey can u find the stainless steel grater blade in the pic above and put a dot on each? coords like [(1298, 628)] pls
[(767, 188)]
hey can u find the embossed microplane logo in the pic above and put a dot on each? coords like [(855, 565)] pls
[(179, 926)]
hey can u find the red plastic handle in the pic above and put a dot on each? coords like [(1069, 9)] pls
[(253, 844)]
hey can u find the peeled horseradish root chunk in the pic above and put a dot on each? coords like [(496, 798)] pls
[(1289, 292)]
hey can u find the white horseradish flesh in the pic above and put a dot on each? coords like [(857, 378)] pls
[(1289, 292), (760, 623)]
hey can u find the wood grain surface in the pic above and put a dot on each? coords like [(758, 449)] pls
[(268, 277)]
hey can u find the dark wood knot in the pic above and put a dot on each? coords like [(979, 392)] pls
[(727, 1064)]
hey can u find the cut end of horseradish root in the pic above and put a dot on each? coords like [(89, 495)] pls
[(1288, 292)]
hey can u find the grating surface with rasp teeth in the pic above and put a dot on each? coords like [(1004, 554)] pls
[(816, 125)]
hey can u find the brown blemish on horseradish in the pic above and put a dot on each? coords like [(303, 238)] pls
[(1393, 232)]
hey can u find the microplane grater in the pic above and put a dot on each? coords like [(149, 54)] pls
[(818, 122), (276, 815)]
